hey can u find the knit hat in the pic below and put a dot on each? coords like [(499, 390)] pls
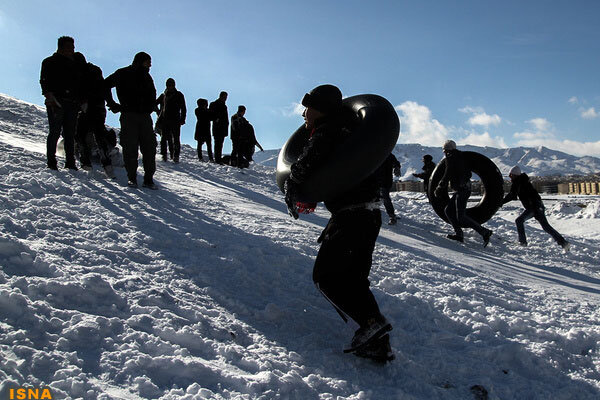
[(515, 171), (427, 157), (325, 98), (449, 145)]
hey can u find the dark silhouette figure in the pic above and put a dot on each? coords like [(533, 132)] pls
[(428, 167), (202, 133), (60, 79), (390, 166), (137, 98), (458, 174), (522, 189), (91, 119), (220, 124), (243, 139), (344, 260), (171, 115)]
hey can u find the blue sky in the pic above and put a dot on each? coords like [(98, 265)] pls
[(503, 74)]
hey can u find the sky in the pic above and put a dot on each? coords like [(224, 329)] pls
[(488, 73)]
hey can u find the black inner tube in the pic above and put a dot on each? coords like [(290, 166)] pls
[(492, 182)]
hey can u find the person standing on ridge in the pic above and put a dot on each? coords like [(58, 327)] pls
[(522, 189), (137, 98), (342, 266), (60, 79), (458, 174), (202, 133), (220, 124), (171, 115), (92, 118)]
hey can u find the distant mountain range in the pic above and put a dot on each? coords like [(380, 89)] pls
[(535, 161), (538, 161)]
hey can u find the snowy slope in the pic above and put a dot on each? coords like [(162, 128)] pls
[(203, 289)]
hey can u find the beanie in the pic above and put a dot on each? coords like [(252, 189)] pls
[(325, 98), (515, 171), (449, 145)]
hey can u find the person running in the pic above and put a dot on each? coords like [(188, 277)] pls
[(458, 174), (343, 263), (137, 98), (522, 189), (390, 167), (428, 167)]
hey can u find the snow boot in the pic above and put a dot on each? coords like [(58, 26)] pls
[(458, 238), (132, 184), (486, 237), (375, 328), (379, 350), (393, 221), (150, 185)]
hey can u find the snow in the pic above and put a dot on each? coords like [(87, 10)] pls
[(203, 289)]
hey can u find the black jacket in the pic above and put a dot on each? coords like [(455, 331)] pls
[(171, 106), (94, 89), (202, 124), (218, 109), (457, 172), (326, 136), (135, 88), (523, 189), (241, 130), (385, 171), (62, 76)]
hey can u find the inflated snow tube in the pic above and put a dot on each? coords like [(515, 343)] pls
[(491, 180), (374, 128)]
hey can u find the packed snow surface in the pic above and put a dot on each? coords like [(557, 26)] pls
[(203, 289)]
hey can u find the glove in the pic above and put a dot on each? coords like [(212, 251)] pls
[(51, 100), (305, 208), (291, 191), (397, 171)]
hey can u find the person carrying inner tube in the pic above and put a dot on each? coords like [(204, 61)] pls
[(534, 208), (342, 266), (458, 173)]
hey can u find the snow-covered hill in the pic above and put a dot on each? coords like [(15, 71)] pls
[(203, 289)]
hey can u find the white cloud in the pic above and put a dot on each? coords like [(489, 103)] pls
[(293, 110), (573, 100), (483, 139), (418, 126), (480, 117), (590, 113), (540, 124)]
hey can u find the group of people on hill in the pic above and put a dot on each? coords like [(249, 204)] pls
[(344, 260), (76, 96)]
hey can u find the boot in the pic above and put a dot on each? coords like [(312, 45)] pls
[(379, 350)]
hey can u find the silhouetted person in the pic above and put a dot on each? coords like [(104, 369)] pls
[(220, 124), (202, 133), (522, 189), (137, 97), (344, 260), (428, 167), (60, 78), (248, 143), (171, 115), (390, 166), (91, 119), (238, 124), (458, 173)]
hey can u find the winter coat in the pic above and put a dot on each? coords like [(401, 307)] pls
[(239, 127), (202, 124), (384, 172), (457, 171), (171, 106), (135, 88), (326, 136), (218, 109), (94, 89), (62, 76), (523, 189), (428, 167)]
